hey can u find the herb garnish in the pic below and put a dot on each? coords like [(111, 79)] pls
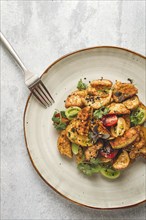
[(81, 85), (59, 124), (100, 112)]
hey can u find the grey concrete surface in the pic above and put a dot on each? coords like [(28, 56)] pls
[(41, 32)]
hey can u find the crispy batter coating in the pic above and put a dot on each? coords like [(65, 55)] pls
[(132, 103), (96, 92), (84, 114), (101, 84), (97, 102), (82, 127), (121, 99), (138, 147), (118, 109), (140, 141), (64, 145), (82, 123), (123, 91), (75, 99), (122, 161), (92, 151), (76, 138), (127, 121), (128, 138)]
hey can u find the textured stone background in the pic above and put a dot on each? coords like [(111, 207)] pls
[(41, 32)]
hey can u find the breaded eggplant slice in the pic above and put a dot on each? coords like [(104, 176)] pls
[(118, 109), (82, 122), (140, 141), (123, 91), (82, 127), (127, 121), (95, 92), (138, 146), (64, 145), (128, 138), (122, 161), (75, 99), (73, 136), (132, 103), (92, 151), (96, 102), (84, 114), (135, 153), (101, 84), (144, 132)]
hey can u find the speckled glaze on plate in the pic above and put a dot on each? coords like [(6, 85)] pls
[(41, 138)]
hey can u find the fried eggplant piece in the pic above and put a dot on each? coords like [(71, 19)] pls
[(96, 102), (118, 109), (139, 145), (82, 127), (127, 121), (140, 141), (99, 93), (132, 103), (128, 138), (84, 114), (92, 151), (75, 99), (101, 84), (82, 122), (122, 161), (123, 91), (76, 138), (64, 145)]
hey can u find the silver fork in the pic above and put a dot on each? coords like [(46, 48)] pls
[(33, 82)]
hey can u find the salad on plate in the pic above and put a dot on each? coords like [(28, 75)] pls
[(102, 127)]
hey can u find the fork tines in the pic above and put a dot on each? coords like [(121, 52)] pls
[(40, 91)]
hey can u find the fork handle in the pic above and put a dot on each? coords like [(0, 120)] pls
[(12, 52)]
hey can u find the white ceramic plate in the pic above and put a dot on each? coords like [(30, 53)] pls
[(61, 173)]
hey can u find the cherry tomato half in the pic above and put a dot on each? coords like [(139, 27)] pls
[(64, 120), (108, 152), (57, 115), (109, 120)]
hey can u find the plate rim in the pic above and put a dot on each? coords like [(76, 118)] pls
[(24, 128)]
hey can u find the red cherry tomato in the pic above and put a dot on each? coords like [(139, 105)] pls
[(57, 115), (64, 120), (108, 152), (109, 120)]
